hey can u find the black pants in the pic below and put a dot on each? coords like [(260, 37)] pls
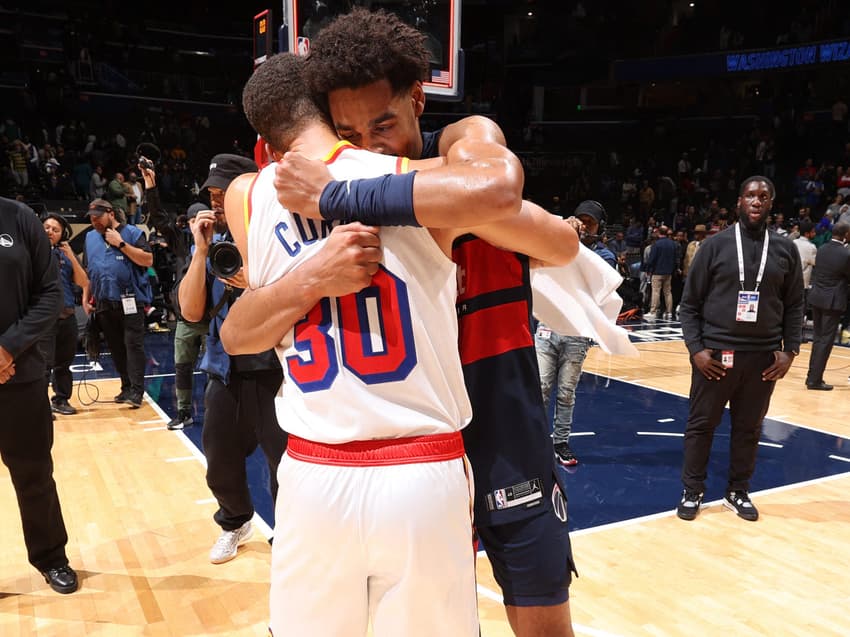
[(238, 416), (58, 348), (26, 438), (125, 335), (823, 337), (748, 397)]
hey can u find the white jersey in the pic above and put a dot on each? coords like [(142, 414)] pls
[(382, 363)]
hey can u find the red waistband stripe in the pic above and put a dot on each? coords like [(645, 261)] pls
[(376, 453)]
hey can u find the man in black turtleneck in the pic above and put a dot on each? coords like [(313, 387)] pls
[(741, 315)]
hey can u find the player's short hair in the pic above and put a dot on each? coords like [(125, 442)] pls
[(362, 47), (277, 101)]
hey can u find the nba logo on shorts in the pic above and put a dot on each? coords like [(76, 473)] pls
[(500, 498)]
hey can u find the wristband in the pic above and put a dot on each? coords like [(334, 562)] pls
[(379, 201)]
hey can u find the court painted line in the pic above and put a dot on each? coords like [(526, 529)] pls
[(669, 434), (149, 422), (666, 420), (582, 433), (180, 459), (842, 458), (257, 521), (771, 444), (577, 628), (672, 511), (637, 382)]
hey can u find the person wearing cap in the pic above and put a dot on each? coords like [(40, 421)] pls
[(32, 301), (60, 343), (559, 356), (239, 409), (693, 246), (117, 257)]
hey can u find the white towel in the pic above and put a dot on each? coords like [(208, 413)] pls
[(580, 299)]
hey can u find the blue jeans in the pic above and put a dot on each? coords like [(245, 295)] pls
[(562, 357)]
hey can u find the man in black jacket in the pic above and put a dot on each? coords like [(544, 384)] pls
[(741, 314), (828, 298), (33, 300)]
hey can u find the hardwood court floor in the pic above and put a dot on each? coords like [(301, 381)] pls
[(139, 516)]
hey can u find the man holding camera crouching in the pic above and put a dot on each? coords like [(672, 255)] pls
[(117, 257), (239, 408)]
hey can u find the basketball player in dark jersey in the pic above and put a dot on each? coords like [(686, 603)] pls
[(520, 508)]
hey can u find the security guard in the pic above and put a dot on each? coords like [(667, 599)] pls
[(117, 258)]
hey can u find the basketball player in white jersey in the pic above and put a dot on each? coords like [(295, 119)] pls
[(373, 518)]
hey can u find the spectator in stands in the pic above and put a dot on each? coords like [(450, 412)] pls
[(692, 247), (618, 245), (634, 235), (808, 253), (116, 195), (97, 184), (646, 198), (135, 198)]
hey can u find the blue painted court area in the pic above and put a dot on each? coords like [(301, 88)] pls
[(628, 440), (630, 466)]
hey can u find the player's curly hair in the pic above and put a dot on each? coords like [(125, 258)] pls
[(277, 101), (362, 47)]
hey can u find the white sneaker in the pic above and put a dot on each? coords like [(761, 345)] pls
[(668, 316), (225, 546)]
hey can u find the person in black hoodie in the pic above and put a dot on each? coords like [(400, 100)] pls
[(33, 301), (742, 317)]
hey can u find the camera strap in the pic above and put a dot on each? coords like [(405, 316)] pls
[(225, 298)]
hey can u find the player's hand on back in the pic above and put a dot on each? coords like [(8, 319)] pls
[(348, 260), (299, 183)]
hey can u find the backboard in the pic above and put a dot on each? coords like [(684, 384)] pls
[(439, 19)]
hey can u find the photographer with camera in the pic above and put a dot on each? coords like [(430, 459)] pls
[(239, 397), (117, 258)]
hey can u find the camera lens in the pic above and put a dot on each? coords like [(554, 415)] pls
[(225, 259)]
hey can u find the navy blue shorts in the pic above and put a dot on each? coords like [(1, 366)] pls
[(532, 559)]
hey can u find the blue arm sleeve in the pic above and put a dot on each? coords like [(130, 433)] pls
[(379, 201)]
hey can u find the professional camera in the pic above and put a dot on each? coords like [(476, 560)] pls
[(225, 259)]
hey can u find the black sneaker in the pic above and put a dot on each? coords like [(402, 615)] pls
[(740, 503), (63, 407), (565, 455), (134, 400), (183, 419), (122, 397), (689, 504)]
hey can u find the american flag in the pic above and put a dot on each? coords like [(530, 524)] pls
[(440, 76)]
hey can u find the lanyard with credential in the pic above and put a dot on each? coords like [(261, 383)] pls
[(741, 257)]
